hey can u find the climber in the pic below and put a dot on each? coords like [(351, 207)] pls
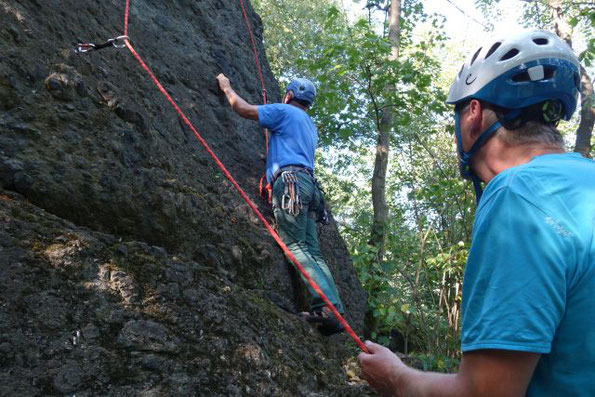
[(528, 309), (297, 200)]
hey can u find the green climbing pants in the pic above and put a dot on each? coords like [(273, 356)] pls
[(298, 232)]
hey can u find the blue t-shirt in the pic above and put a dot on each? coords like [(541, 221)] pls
[(530, 278), (293, 137)]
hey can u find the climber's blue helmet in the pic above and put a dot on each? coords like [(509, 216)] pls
[(518, 74), (303, 90)]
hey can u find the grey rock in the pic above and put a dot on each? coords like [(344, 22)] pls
[(107, 196), (69, 378), (148, 336), (22, 182)]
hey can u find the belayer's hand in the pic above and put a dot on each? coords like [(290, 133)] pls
[(381, 368), (223, 82)]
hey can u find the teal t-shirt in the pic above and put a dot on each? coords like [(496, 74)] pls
[(293, 138), (530, 278)]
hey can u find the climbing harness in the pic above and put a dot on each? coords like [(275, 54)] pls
[(118, 42), (241, 192), (291, 201)]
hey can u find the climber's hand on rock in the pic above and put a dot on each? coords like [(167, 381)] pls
[(381, 368), (223, 82)]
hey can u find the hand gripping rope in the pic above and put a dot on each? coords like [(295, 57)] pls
[(269, 228)]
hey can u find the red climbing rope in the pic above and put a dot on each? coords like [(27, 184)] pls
[(238, 188), (259, 69), (264, 91), (126, 15)]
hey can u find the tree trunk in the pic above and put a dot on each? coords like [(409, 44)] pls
[(379, 226), (585, 127), (587, 109), (378, 233)]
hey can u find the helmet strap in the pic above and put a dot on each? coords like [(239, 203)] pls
[(465, 157)]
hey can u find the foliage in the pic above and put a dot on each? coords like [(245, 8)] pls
[(580, 16)]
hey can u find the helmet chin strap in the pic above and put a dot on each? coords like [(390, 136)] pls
[(465, 157)]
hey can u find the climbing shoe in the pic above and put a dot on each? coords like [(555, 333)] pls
[(323, 320)]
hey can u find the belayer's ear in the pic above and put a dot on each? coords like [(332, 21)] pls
[(475, 116), (288, 97)]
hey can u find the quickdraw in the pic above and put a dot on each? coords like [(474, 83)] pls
[(118, 42), (291, 201)]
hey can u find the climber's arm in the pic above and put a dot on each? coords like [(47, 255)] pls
[(237, 103)]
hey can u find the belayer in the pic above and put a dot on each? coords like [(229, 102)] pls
[(296, 198), (528, 304)]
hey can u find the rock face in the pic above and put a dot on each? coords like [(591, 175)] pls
[(128, 265)]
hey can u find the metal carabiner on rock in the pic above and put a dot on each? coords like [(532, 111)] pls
[(120, 41), (84, 47)]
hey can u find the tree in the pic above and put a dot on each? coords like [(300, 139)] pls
[(379, 226), (564, 30)]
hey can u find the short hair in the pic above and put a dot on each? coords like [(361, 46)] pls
[(305, 104), (530, 132)]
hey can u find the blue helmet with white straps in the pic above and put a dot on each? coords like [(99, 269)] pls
[(515, 73), (303, 90)]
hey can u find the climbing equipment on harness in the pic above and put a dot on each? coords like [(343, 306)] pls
[(265, 187), (291, 201), (240, 191), (321, 215), (118, 42)]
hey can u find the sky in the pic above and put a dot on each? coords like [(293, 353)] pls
[(465, 22)]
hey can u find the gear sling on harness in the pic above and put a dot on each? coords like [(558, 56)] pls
[(291, 201), (241, 192)]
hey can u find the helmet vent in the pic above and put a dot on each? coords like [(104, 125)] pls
[(475, 56), (541, 41), (510, 54), (521, 77), (548, 73), (461, 71), (494, 48)]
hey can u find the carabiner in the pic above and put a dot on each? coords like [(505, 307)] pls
[(84, 47), (120, 41)]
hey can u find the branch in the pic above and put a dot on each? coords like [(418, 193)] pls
[(468, 16)]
